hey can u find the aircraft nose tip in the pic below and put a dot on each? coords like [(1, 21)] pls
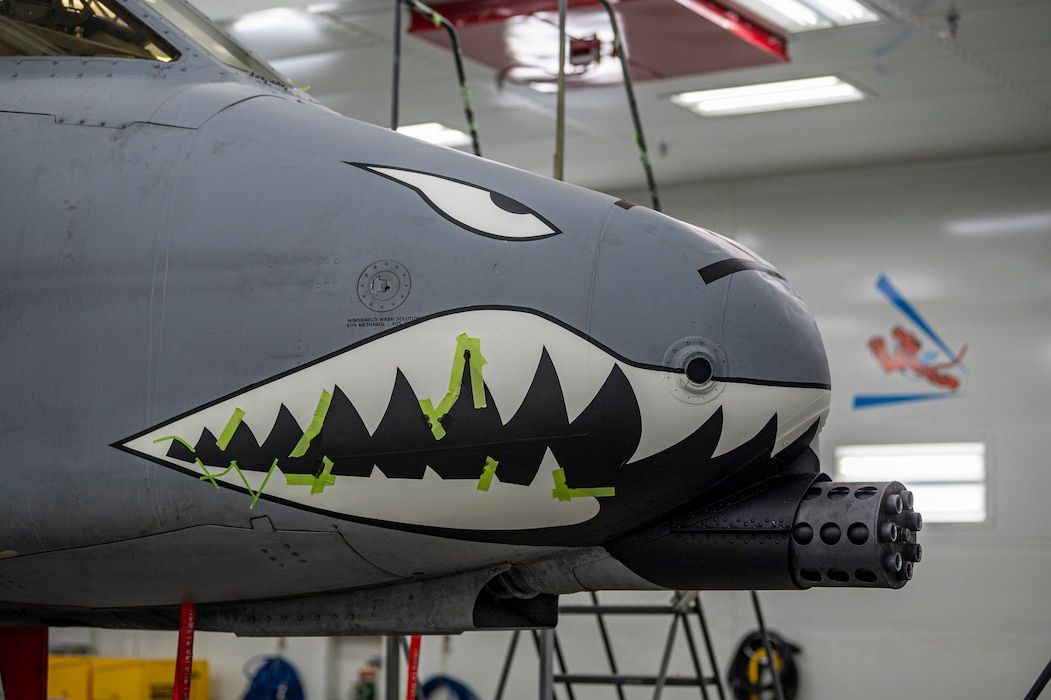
[(774, 334)]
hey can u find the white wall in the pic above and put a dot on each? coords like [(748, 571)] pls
[(976, 621)]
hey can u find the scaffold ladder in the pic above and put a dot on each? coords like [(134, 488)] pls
[(683, 606)]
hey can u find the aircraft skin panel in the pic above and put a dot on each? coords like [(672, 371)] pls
[(153, 571), (278, 563)]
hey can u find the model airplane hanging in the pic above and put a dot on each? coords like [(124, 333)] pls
[(320, 378)]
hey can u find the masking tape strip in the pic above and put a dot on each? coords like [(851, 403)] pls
[(315, 426), (212, 477), (488, 472), (472, 347), (257, 494), (564, 493), (467, 350), (230, 429), (318, 483), (208, 476), (434, 417)]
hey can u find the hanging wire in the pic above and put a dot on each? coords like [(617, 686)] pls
[(465, 93), (439, 21), (779, 691), (396, 67), (640, 138), (560, 110)]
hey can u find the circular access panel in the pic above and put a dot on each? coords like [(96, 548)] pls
[(696, 363), (384, 285)]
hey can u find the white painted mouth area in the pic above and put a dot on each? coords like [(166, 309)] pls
[(666, 420), (511, 343)]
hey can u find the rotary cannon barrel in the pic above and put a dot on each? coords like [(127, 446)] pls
[(859, 534), (792, 531)]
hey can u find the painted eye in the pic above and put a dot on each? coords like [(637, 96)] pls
[(474, 208)]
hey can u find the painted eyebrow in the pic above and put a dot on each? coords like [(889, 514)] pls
[(718, 270)]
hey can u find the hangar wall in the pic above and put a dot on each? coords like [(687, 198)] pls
[(968, 241)]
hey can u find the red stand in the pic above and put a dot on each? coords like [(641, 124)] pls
[(414, 667), (23, 662), (184, 659)]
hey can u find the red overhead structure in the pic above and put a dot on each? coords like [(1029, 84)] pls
[(663, 38)]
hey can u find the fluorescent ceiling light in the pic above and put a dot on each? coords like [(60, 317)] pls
[(947, 479), (433, 132), (1019, 223), (768, 97), (844, 11), (805, 15)]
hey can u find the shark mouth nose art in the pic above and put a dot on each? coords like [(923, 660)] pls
[(501, 420)]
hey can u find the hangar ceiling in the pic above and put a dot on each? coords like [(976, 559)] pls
[(928, 95)]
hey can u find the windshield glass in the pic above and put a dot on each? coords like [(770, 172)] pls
[(94, 28), (201, 30)]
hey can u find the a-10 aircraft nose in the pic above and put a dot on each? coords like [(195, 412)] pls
[(671, 294), (729, 446)]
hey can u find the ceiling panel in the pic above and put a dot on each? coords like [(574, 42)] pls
[(992, 25), (987, 92)]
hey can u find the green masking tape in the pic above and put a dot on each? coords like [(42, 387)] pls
[(564, 493), (228, 431), (315, 425), (208, 476), (212, 477), (488, 472), (465, 347), (318, 483), (256, 494), (177, 439)]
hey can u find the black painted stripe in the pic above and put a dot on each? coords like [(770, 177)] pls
[(715, 271), (774, 382)]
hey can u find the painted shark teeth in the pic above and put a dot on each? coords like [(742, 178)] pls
[(391, 411)]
